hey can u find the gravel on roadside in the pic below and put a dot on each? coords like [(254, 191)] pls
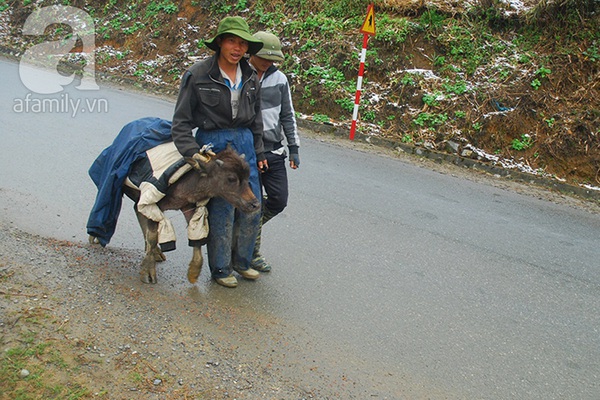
[(117, 338)]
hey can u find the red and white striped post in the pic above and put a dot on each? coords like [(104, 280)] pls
[(367, 29)]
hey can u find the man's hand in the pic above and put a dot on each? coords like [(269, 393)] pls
[(263, 166), (294, 161)]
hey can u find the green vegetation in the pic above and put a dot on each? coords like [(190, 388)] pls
[(154, 8), (346, 104), (394, 30), (435, 69), (522, 143), (432, 100), (321, 118), (430, 120)]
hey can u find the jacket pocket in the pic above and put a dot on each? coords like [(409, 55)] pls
[(209, 96), (251, 95)]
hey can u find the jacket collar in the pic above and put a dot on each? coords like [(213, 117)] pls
[(215, 72)]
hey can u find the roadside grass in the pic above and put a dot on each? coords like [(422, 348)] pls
[(55, 365), (36, 359), (34, 365), (41, 357)]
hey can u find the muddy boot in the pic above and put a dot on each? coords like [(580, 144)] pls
[(258, 261), (229, 281)]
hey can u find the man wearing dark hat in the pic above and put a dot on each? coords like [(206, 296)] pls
[(220, 96)]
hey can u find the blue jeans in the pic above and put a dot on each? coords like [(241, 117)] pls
[(232, 233)]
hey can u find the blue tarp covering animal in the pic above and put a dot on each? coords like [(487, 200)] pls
[(112, 166)]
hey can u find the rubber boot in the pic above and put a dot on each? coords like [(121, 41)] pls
[(258, 261)]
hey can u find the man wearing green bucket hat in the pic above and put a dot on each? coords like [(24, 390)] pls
[(220, 97), (279, 124)]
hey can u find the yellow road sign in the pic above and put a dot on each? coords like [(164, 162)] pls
[(368, 27)]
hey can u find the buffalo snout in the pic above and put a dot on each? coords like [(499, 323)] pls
[(249, 203), (254, 206)]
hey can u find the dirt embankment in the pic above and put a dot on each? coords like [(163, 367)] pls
[(494, 83)]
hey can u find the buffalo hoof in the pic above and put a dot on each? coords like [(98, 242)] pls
[(148, 278), (148, 270), (193, 273)]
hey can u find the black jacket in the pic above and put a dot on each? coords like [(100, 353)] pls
[(204, 102)]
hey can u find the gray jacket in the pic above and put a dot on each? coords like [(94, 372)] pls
[(204, 102), (279, 119)]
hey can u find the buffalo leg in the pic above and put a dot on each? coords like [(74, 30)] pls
[(195, 265), (150, 230), (143, 221)]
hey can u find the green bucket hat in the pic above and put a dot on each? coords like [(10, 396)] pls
[(272, 49), (236, 26)]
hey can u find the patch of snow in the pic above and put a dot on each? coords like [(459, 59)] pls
[(590, 187), (150, 63), (374, 98), (111, 51), (154, 80), (184, 47), (515, 7), (497, 113), (426, 73), (77, 57), (506, 163)]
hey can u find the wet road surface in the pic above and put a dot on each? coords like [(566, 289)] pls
[(397, 281)]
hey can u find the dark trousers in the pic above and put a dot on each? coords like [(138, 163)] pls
[(275, 184)]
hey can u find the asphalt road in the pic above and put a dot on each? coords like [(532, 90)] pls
[(408, 282)]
